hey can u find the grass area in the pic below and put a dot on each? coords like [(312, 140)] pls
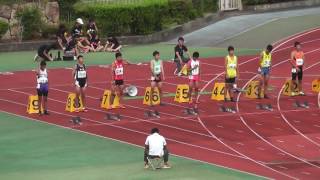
[(32, 150), (273, 31), (12, 61)]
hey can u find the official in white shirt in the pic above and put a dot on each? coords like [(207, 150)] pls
[(156, 146)]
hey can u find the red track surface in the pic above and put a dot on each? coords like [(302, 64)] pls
[(283, 144)]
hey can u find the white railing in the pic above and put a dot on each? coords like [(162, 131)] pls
[(228, 5)]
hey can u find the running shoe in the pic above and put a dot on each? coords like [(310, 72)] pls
[(166, 166)]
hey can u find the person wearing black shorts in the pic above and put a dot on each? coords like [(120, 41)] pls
[(231, 73), (80, 75), (43, 53), (42, 87), (112, 45), (61, 36), (117, 73), (179, 57), (297, 62), (157, 75)]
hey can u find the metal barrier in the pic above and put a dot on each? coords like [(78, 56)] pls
[(229, 5)]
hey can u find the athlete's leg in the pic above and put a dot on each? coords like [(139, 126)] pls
[(83, 96), (40, 103), (191, 87), (160, 90), (45, 102), (196, 90), (78, 94)]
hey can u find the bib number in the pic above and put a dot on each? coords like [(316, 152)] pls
[(42, 80), (267, 63), (232, 66), (299, 62), (157, 69), (82, 74), (119, 71)]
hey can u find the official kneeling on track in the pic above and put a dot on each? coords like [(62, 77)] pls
[(156, 147)]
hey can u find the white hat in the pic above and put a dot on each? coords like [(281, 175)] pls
[(79, 20)]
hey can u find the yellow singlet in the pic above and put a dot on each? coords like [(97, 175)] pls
[(232, 66), (266, 59)]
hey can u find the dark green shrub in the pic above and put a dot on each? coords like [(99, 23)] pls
[(3, 28), (49, 31), (123, 19), (182, 10), (31, 22), (139, 17), (66, 9)]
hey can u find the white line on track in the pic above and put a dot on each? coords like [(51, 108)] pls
[(258, 135), (124, 142), (287, 121), (204, 126)]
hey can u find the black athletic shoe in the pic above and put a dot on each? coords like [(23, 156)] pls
[(46, 113)]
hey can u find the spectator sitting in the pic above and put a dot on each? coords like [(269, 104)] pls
[(112, 45), (77, 32), (71, 47), (156, 146), (82, 48), (92, 32), (43, 53), (61, 36)]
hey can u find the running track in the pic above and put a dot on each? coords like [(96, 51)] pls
[(283, 144)]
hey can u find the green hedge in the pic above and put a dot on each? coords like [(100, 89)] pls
[(3, 28), (142, 16), (256, 2)]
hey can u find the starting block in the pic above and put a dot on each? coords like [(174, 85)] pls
[(287, 91), (191, 111), (105, 103), (152, 114), (316, 85), (33, 105), (299, 104), (148, 97), (113, 117), (184, 71), (267, 107), (182, 93), (71, 104), (218, 92), (227, 109), (76, 120), (252, 90)]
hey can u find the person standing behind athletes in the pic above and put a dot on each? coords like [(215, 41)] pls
[(79, 73), (42, 87), (157, 74), (117, 74), (232, 72), (179, 57), (297, 61), (265, 69), (194, 76)]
